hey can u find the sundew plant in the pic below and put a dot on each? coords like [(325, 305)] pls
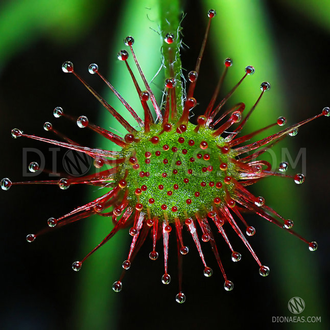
[(178, 169)]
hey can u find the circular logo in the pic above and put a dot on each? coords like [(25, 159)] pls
[(296, 305), (76, 163)]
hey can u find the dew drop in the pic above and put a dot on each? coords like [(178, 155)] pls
[(170, 82), (154, 139), (184, 250), (299, 178), (31, 238), (168, 228), (265, 86), (250, 231), (264, 271), (82, 122), (228, 62), (5, 184), (190, 103), (236, 117), (52, 222), (15, 133), (117, 286), (260, 201), (126, 265), (153, 255), (67, 67), (288, 224), (58, 112), (206, 238), (236, 256), (180, 298), (122, 55), (211, 13), (48, 126), (169, 38), (93, 68), (129, 138), (312, 246), (283, 166), (98, 162), (192, 76), (228, 285), (326, 111), (250, 70), (129, 41), (281, 121), (144, 96), (208, 272), (76, 266), (132, 231), (166, 279), (294, 132), (122, 184), (203, 145), (64, 184)]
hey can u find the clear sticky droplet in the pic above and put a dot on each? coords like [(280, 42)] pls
[(250, 70), (170, 82), (31, 238), (33, 167), (283, 166), (129, 41), (211, 13), (117, 286), (180, 298), (126, 265), (281, 121), (228, 62), (288, 224), (260, 201), (132, 231), (52, 222), (67, 67), (236, 256), (312, 246), (82, 121), (64, 184), (192, 76), (48, 126), (76, 266), (184, 250), (98, 162), (236, 116), (208, 272), (264, 271), (299, 178), (228, 285), (206, 238), (169, 38), (5, 184), (166, 279), (93, 68), (15, 133), (250, 231), (326, 111), (122, 55), (144, 96), (294, 132), (58, 112), (153, 255), (265, 86)]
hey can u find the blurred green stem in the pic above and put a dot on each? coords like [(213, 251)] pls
[(170, 25), (98, 307)]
